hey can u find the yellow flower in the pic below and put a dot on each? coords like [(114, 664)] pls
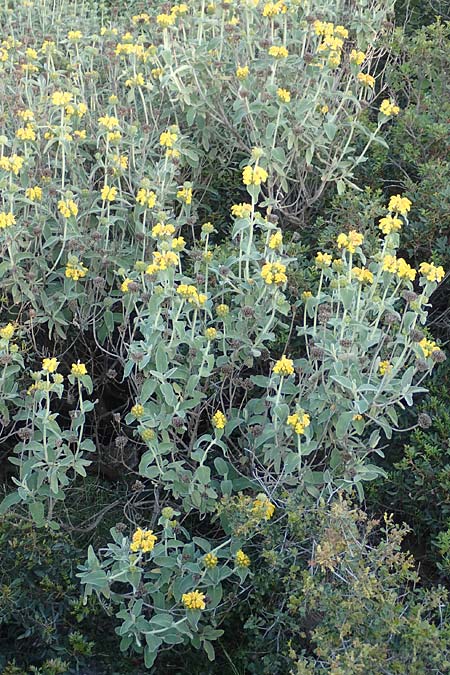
[(350, 241), (219, 420), (165, 20), (276, 240), (388, 108), (357, 57), (137, 410), (254, 175), (146, 198), (109, 122), (178, 243), (241, 210), (385, 367), (136, 81), (61, 98), (366, 79), (12, 164), (165, 260), (323, 259), (78, 369), (74, 35), (242, 72), (284, 366), (75, 270), (222, 310), (7, 332), (148, 435), (207, 228), (185, 194), (160, 230), (274, 273), (50, 365), (167, 139), (278, 52), (242, 559), (157, 73), (211, 333), (405, 271), (428, 347), (299, 422), (210, 560), (108, 193), (389, 264), (363, 275), (431, 272), (399, 204), (67, 208), (194, 600), (324, 109), (6, 220), (190, 293), (284, 95), (271, 9), (26, 133), (143, 540), (306, 295), (262, 507), (390, 224), (34, 194), (125, 285)]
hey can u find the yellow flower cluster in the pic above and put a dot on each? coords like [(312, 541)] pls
[(390, 224), (161, 230), (75, 270), (178, 243), (109, 122), (12, 164), (242, 559), (428, 347), (61, 98), (167, 139), (194, 600), (211, 333), (357, 57), (143, 540), (323, 259), (6, 219), (7, 332), (275, 240), (50, 365), (262, 507), (399, 204), (366, 80), (274, 273), (271, 9), (332, 40), (284, 95), (108, 193), (67, 208), (34, 194), (78, 369), (146, 198), (284, 366), (162, 261), (278, 52), (137, 410), (254, 175), (135, 81), (350, 241), (222, 310), (241, 210), (190, 293), (219, 420), (125, 285), (384, 367), (185, 194), (388, 108), (210, 560), (398, 266), (431, 272), (242, 72), (363, 275), (299, 422), (26, 133)]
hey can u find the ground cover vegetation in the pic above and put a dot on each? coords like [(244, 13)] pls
[(224, 236)]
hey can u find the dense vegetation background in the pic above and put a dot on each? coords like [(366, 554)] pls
[(339, 563)]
